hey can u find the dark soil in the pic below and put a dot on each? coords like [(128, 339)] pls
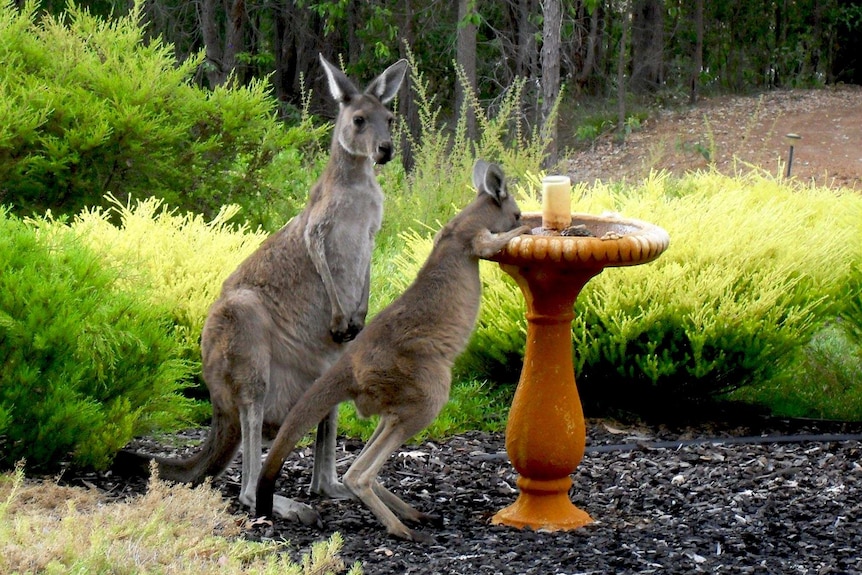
[(768, 497)]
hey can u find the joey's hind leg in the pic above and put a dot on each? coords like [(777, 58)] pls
[(361, 479), (403, 509), (324, 479)]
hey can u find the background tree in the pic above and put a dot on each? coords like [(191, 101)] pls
[(466, 57), (622, 63), (647, 42), (697, 58), (223, 43), (552, 22), (677, 49)]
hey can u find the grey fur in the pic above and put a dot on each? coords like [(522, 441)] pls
[(284, 316), (400, 366)]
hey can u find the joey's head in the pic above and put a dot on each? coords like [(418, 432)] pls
[(364, 124), (502, 212)]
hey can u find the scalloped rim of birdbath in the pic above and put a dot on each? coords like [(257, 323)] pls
[(615, 241)]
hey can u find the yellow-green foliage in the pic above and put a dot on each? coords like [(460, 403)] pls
[(172, 530), (181, 258), (755, 266)]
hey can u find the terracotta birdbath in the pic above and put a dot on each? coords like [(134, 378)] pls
[(546, 434)]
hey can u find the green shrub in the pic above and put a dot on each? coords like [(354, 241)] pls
[(85, 365), (825, 383), (89, 107), (754, 269), (176, 261)]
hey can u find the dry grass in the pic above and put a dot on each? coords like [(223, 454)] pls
[(172, 530)]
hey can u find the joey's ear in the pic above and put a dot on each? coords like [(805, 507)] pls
[(479, 169), (489, 179), (385, 86), (340, 86)]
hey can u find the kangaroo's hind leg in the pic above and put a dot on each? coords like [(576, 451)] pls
[(324, 479), (361, 479), (238, 363)]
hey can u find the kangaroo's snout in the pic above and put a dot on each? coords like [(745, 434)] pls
[(384, 153)]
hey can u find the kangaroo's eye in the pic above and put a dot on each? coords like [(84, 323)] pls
[(358, 121)]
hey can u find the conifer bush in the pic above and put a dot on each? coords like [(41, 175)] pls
[(89, 107), (86, 362), (177, 261), (756, 266)]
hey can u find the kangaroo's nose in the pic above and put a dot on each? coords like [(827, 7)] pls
[(384, 153)]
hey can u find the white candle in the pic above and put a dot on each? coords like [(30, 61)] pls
[(556, 202)]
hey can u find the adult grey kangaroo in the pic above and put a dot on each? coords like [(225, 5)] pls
[(286, 313), (400, 365)]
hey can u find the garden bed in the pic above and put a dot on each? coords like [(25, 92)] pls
[(769, 497)]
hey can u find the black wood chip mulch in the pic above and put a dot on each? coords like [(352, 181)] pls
[(780, 498)]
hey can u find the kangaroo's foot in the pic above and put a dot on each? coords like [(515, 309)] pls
[(287, 509), (295, 511), (331, 490)]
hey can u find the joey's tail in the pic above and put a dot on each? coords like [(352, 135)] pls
[(213, 455), (329, 390)]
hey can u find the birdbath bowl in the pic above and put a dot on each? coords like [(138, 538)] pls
[(545, 434)]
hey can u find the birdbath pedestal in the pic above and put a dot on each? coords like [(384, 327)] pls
[(546, 434)]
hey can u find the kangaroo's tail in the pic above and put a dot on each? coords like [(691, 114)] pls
[(328, 391), (212, 458)]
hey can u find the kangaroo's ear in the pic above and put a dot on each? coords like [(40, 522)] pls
[(489, 179), (385, 86), (340, 86)]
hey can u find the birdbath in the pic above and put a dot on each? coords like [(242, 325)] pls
[(546, 434)]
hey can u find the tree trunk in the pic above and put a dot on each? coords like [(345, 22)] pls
[(525, 56), (406, 103), (697, 60), (222, 49), (466, 58), (592, 45), (621, 74), (551, 13), (284, 48), (354, 47), (647, 37)]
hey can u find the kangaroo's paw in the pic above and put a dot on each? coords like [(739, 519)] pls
[(295, 511)]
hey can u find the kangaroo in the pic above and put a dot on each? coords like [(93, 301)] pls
[(285, 314), (399, 367)]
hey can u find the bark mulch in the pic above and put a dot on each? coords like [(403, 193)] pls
[(774, 497)]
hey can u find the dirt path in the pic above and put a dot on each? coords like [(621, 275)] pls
[(741, 133)]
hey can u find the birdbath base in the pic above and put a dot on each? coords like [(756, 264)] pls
[(543, 505), (546, 433)]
